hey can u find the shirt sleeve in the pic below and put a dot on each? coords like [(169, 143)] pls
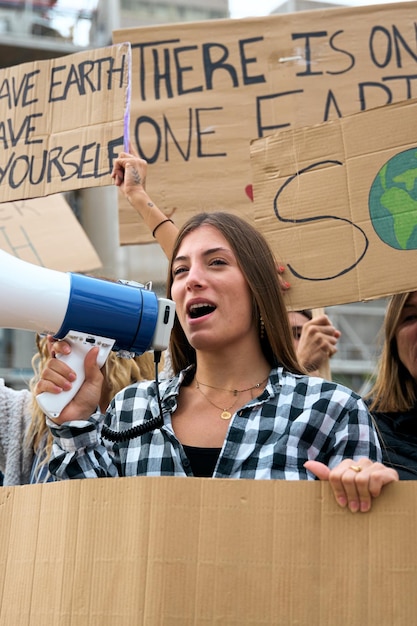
[(354, 435), (78, 451)]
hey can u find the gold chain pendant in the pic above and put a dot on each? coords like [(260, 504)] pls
[(225, 415)]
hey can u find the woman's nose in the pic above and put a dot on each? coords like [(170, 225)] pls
[(195, 279)]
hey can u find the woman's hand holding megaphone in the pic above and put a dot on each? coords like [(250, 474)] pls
[(58, 376)]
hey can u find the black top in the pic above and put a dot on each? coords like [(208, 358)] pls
[(202, 460), (398, 437)]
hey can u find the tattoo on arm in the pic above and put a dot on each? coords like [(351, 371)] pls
[(137, 177), (150, 204)]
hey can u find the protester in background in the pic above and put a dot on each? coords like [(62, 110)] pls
[(25, 441), (393, 398), (239, 405), (315, 340)]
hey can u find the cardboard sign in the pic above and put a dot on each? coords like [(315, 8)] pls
[(62, 122), (187, 552), (32, 230), (202, 91), (337, 202)]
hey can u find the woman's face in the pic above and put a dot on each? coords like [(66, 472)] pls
[(297, 321), (406, 335), (213, 300)]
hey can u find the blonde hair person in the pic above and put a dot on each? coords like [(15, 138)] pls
[(392, 399), (25, 440)]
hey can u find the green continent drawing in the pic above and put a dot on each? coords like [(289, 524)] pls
[(393, 201)]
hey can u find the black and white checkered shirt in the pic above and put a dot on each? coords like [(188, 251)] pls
[(296, 418)]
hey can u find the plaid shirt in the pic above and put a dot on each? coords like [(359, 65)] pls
[(296, 418)]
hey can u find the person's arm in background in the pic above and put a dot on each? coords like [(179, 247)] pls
[(16, 454), (129, 174), (317, 344)]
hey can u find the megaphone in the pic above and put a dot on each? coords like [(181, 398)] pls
[(85, 311)]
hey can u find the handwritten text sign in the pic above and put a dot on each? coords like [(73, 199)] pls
[(201, 92), (62, 122), (32, 231), (337, 202)]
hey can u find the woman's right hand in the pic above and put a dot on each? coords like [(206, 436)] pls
[(57, 376), (129, 173)]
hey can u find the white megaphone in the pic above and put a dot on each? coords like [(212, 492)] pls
[(86, 312)]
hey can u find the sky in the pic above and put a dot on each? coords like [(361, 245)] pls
[(257, 8)]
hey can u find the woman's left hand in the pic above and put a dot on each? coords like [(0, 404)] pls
[(354, 483)]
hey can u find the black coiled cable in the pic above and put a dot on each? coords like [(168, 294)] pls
[(141, 429)]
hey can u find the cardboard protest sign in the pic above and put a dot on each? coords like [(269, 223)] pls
[(337, 201), (32, 231), (62, 122), (205, 552), (202, 91)]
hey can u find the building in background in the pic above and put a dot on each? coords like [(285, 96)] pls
[(291, 6), (150, 12), (42, 29)]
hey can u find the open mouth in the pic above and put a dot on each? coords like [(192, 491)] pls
[(199, 310)]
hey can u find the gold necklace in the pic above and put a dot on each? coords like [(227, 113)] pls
[(233, 391), (225, 413)]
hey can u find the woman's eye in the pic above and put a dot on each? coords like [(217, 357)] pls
[(409, 318), (217, 262), (178, 270), (296, 332)]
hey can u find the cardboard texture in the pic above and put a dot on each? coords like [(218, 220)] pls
[(201, 551), (202, 91), (337, 202), (32, 231), (63, 122)]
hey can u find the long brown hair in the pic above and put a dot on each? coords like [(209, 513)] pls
[(256, 262), (394, 389)]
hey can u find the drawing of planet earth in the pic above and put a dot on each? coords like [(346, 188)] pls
[(393, 201)]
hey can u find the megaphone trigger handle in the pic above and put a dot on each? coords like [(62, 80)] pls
[(164, 323), (81, 343)]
